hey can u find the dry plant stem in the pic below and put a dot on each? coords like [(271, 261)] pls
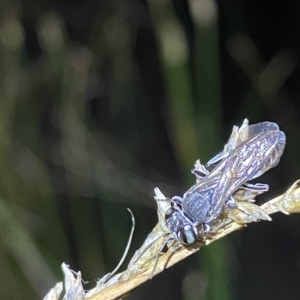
[(281, 203)]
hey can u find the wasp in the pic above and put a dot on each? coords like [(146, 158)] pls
[(223, 181)]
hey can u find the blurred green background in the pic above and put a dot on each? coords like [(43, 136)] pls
[(102, 101)]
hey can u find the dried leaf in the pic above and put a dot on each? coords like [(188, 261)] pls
[(248, 212), (287, 203), (73, 285), (55, 292)]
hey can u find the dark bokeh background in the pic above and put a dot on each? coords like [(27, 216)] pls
[(101, 101)]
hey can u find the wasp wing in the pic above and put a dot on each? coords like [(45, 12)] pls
[(248, 161), (250, 151), (239, 135)]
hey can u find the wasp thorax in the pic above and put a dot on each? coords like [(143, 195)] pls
[(196, 205)]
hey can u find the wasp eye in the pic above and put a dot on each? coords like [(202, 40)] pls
[(187, 235)]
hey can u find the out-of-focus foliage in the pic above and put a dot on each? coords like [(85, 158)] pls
[(102, 101)]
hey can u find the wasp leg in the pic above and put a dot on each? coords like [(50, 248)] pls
[(248, 192), (259, 187), (162, 246), (199, 174), (137, 255), (206, 228), (215, 227), (212, 163), (177, 200), (199, 170), (231, 203)]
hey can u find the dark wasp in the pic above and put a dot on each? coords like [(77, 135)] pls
[(250, 152)]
